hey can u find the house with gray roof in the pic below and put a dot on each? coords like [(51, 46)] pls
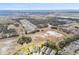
[(28, 26)]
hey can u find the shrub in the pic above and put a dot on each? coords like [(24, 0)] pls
[(23, 40), (28, 40), (61, 44), (49, 44)]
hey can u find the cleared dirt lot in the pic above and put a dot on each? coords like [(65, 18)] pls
[(47, 34)]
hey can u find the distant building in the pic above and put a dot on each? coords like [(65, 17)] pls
[(28, 26)]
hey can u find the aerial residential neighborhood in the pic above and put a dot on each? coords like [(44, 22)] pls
[(39, 32)]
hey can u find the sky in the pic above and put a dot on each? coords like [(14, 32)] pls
[(39, 6)]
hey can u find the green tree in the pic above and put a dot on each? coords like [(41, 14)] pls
[(50, 44), (61, 44), (24, 39)]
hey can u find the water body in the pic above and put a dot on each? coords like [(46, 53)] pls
[(11, 12)]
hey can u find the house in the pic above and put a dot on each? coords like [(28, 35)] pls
[(53, 52), (44, 49), (48, 51)]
